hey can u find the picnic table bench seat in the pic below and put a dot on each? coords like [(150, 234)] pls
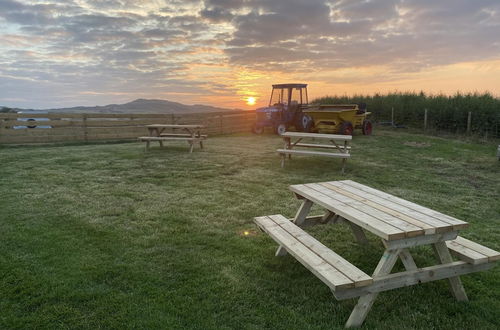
[(164, 138), (325, 146), (329, 267), (317, 153), (472, 252), (202, 136)]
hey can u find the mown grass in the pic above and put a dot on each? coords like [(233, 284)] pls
[(107, 236)]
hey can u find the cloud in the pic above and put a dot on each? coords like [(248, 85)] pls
[(322, 35), (202, 46)]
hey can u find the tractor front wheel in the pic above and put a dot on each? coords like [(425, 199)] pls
[(258, 129), (346, 128), (280, 129), (367, 127)]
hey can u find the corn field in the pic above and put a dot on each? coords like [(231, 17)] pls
[(444, 113)]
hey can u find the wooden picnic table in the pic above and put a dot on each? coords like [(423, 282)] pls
[(334, 144), (191, 134), (399, 223)]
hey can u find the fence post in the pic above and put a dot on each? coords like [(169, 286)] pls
[(220, 123), (85, 130), (392, 116), (469, 122), (425, 119), (2, 124)]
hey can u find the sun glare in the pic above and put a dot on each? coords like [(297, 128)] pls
[(251, 100)]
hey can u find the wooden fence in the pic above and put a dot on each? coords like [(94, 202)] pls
[(107, 127)]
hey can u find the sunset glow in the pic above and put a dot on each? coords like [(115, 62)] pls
[(217, 52), (251, 100)]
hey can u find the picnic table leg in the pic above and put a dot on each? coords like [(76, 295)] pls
[(201, 141), (344, 159), (365, 302), (191, 142), (407, 259), (328, 216), (159, 134), (299, 219), (288, 145), (283, 157), (358, 232), (443, 254)]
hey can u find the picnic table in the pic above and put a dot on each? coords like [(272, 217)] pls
[(400, 225), (191, 134), (335, 146)]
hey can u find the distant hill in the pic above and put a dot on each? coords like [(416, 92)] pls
[(141, 106), (144, 106)]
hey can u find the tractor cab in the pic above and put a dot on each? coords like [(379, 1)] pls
[(284, 109)]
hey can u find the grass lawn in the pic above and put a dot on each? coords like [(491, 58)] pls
[(107, 236)]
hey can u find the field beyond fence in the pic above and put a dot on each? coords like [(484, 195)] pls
[(477, 114), (14, 127)]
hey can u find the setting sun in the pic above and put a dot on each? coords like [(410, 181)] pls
[(251, 100)]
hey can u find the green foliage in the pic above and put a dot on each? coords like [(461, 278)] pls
[(108, 236), (6, 110), (444, 112)]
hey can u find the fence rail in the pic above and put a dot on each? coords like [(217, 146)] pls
[(64, 127)]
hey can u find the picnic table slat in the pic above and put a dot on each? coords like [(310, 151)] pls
[(363, 220), (456, 223), (439, 224), (318, 266), (410, 229), (349, 270), (318, 135), (173, 126), (428, 229)]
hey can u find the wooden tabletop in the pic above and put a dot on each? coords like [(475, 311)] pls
[(384, 215), (316, 135), (173, 126)]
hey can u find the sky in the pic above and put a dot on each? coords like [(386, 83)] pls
[(60, 53)]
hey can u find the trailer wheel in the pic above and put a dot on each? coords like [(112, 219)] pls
[(257, 129), (367, 127), (280, 129), (346, 128)]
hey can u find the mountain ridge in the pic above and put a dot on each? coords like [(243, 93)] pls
[(146, 106)]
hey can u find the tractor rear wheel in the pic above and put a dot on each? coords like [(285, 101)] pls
[(346, 128), (305, 123), (280, 129), (257, 129), (367, 127)]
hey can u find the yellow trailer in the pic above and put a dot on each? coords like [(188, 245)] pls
[(338, 118)]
